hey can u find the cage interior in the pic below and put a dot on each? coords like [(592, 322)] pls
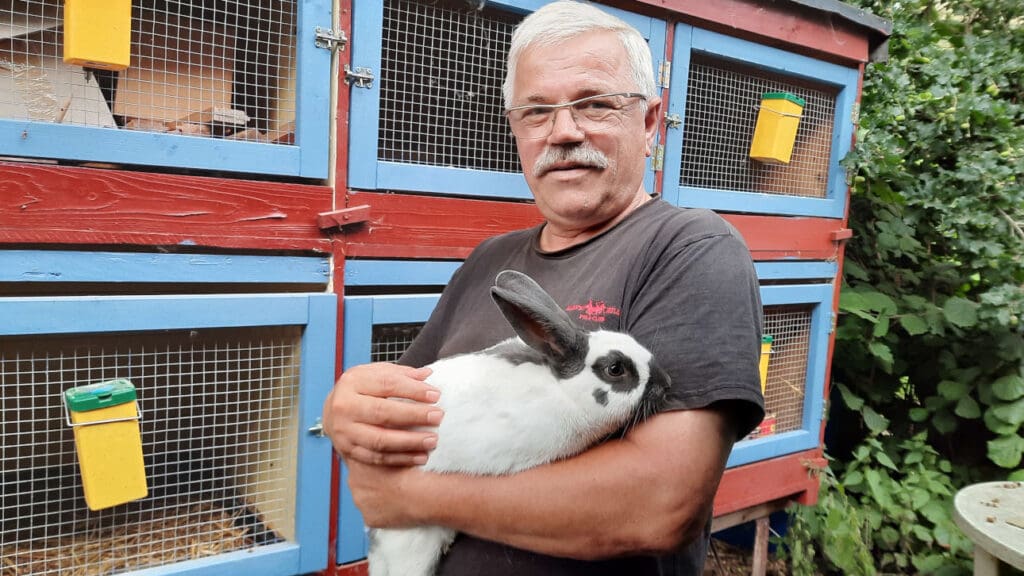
[(790, 329), (217, 70), (219, 435), (440, 85), (722, 102)]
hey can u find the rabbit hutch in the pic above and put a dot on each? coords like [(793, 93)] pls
[(208, 210)]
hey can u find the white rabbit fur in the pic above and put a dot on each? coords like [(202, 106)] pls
[(504, 413)]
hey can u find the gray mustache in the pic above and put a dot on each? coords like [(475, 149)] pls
[(583, 154)]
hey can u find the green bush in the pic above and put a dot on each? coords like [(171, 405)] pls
[(929, 354)]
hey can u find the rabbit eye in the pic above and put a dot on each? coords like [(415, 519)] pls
[(615, 370)]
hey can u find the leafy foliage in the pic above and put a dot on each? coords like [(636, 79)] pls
[(929, 356)]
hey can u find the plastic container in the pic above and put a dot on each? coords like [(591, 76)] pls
[(775, 133), (98, 33), (766, 353), (105, 420)]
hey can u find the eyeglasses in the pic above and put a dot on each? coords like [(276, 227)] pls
[(591, 114)]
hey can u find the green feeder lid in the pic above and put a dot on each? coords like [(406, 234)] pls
[(100, 395), (784, 96), (766, 339)]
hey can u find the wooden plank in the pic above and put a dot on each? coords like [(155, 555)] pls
[(745, 486), (410, 226), (773, 23), (71, 205)]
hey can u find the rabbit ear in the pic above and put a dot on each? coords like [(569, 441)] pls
[(539, 321)]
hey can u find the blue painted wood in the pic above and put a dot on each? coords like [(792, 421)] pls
[(820, 296), (769, 447), (313, 89), (689, 40), (398, 272), (367, 172), (135, 267), (352, 541), (88, 314), (317, 312), (400, 309), (313, 478), (308, 158), (773, 59), (676, 108), (364, 103), (272, 560), (46, 140), (799, 270)]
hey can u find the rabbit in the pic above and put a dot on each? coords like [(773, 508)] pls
[(547, 394)]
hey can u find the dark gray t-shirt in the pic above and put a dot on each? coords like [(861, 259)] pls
[(680, 281)]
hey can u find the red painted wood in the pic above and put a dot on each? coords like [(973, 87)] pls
[(43, 204), (768, 480), (408, 226), (771, 23), (785, 237), (354, 569)]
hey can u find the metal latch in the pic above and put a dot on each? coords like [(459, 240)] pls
[(330, 39), (363, 77), (673, 120)]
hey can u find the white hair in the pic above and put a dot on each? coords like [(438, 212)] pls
[(566, 19)]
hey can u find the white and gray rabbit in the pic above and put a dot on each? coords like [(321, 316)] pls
[(550, 393)]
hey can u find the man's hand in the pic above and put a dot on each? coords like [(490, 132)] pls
[(368, 418)]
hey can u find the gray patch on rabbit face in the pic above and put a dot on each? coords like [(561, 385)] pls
[(601, 396), (618, 370)]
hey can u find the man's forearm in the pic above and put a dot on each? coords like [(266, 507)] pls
[(647, 493)]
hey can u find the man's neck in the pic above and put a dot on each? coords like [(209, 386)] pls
[(553, 239)]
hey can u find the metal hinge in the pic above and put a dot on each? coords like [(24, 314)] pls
[(673, 120), (855, 114), (658, 158), (664, 73), (363, 77), (330, 39)]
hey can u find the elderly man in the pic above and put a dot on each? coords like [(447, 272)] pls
[(582, 104)]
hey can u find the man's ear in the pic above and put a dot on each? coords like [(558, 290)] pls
[(652, 122)]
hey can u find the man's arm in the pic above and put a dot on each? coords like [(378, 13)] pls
[(646, 493)]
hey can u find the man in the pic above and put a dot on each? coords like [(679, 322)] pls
[(582, 104)]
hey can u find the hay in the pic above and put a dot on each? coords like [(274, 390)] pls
[(183, 533)]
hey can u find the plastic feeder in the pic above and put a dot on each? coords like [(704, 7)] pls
[(98, 33), (766, 353), (775, 133), (105, 420)]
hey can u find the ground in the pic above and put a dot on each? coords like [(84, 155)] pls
[(727, 560)]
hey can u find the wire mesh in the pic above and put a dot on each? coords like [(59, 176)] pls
[(441, 73), (224, 70), (389, 341), (219, 435), (790, 329), (722, 102)]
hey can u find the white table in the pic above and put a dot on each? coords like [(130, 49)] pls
[(991, 514)]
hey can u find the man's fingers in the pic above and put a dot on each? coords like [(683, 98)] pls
[(365, 456), (390, 413), (393, 381)]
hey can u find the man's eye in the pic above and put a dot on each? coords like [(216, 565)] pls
[(537, 112), (598, 104)]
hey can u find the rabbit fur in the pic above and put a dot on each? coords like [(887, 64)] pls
[(547, 394)]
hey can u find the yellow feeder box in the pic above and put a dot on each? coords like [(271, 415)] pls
[(775, 132), (766, 354), (98, 33), (105, 420)]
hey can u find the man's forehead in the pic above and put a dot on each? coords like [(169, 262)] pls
[(584, 65)]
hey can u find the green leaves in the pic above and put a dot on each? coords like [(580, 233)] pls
[(1006, 451), (961, 312)]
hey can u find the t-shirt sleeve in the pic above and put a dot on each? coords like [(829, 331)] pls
[(698, 308)]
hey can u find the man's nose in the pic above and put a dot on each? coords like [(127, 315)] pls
[(564, 127)]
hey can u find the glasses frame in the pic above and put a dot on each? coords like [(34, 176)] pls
[(572, 112)]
